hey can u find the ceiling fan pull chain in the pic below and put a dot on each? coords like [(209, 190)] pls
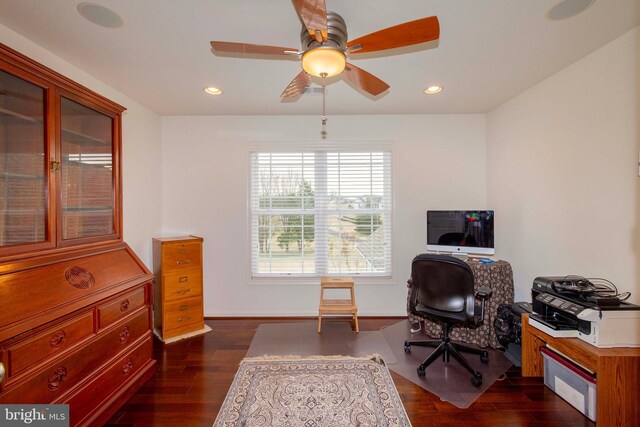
[(324, 96)]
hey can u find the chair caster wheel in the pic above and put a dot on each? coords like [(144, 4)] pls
[(407, 348), (421, 371), (484, 357), (476, 380)]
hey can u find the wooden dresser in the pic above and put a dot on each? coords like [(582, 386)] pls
[(617, 372), (75, 300), (178, 305)]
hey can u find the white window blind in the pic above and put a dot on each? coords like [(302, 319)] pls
[(317, 213)]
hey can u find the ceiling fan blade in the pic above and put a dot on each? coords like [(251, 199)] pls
[(297, 86), (314, 16), (257, 49), (361, 79), (407, 34)]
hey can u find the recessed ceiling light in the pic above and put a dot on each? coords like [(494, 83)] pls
[(567, 9), (213, 90), (100, 15), (433, 89)]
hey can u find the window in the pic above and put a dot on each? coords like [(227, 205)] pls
[(317, 213)]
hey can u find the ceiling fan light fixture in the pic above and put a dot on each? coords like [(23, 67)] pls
[(213, 90), (433, 89), (323, 60)]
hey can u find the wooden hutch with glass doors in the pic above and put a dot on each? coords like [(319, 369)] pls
[(75, 301)]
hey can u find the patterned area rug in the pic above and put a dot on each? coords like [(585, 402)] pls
[(312, 392)]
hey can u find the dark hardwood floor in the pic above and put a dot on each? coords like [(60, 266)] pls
[(194, 375)]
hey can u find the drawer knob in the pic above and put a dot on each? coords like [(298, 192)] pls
[(183, 291), (180, 319), (2, 371), (127, 366), (124, 335), (188, 261), (183, 279), (124, 305), (57, 339), (57, 377)]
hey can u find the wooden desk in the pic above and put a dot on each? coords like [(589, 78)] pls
[(617, 372)]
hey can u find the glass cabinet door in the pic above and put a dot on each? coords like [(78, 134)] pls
[(23, 162), (87, 179)]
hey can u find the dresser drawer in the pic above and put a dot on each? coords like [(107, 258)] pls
[(177, 256), (52, 340), (120, 307), (27, 294), (182, 284), (113, 376), (181, 313), (124, 333), (59, 376)]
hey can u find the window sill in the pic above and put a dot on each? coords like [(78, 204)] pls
[(315, 281)]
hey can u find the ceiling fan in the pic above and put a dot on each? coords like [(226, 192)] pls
[(325, 48)]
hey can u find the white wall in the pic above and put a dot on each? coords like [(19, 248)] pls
[(438, 163), (562, 171), (140, 144)]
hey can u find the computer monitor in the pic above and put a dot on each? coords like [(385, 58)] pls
[(464, 232)]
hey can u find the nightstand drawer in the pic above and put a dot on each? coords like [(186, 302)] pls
[(55, 339), (182, 284), (181, 313), (178, 256), (120, 307)]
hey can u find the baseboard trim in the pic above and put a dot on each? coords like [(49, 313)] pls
[(240, 317)]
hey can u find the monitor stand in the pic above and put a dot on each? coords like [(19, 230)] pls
[(460, 255)]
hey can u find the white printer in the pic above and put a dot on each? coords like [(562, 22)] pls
[(562, 308)]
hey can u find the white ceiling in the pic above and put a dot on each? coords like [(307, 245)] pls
[(489, 51)]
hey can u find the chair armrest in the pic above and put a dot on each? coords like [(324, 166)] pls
[(484, 292)]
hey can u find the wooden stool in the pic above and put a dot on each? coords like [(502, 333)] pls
[(337, 306)]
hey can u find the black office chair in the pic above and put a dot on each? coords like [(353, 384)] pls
[(442, 291)]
